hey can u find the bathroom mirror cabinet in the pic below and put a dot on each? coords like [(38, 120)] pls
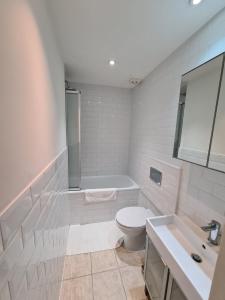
[(200, 130)]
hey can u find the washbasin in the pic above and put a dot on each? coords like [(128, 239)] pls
[(190, 259)]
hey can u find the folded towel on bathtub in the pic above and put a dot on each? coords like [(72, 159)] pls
[(100, 196)]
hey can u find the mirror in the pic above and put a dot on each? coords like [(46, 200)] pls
[(217, 153), (196, 114)]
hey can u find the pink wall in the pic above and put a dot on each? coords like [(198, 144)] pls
[(32, 114)]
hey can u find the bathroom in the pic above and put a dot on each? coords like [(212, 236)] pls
[(105, 192)]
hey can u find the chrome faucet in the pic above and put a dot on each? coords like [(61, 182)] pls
[(214, 229)]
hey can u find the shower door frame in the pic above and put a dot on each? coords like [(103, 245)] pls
[(78, 93)]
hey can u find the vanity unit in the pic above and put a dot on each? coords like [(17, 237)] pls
[(178, 264), (160, 283)]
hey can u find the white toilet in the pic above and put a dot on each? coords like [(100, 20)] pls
[(131, 221)]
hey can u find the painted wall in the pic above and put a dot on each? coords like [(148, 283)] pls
[(32, 116), (154, 112), (105, 129)]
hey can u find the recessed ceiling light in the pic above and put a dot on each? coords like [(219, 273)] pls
[(195, 2), (112, 62)]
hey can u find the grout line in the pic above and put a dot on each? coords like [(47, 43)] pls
[(92, 283), (117, 260), (121, 278), (72, 278), (104, 271), (117, 268)]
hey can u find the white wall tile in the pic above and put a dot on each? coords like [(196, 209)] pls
[(30, 222), (81, 213), (25, 253), (164, 196), (41, 273), (38, 186), (154, 112), (32, 276), (21, 292), (4, 293), (12, 219), (22, 263), (37, 294), (9, 259), (105, 129), (18, 279), (48, 191)]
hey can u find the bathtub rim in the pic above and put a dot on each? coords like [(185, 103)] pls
[(134, 186)]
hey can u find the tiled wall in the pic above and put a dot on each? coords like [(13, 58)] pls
[(105, 124), (164, 196), (202, 194), (33, 236), (98, 212)]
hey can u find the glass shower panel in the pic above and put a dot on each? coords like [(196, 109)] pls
[(73, 138)]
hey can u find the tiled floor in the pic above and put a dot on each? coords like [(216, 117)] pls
[(93, 237), (104, 275)]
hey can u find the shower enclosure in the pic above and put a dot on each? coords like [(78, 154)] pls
[(73, 111), (97, 160)]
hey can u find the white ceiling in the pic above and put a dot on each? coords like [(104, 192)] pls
[(138, 34)]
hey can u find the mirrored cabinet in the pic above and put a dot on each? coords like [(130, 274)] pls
[(217, 153), (200, 130)]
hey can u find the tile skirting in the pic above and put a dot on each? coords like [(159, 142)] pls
[(33, 233)]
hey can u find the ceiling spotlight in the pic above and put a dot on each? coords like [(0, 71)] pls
[(195, 2), (112, 62)]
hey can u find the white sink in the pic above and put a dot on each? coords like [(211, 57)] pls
[(176, 241)]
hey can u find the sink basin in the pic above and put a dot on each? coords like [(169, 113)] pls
[(177, 242)]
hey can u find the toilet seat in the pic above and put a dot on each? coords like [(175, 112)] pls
[(132, 217)]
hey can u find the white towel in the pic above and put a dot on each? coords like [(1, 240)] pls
[(100, 196)]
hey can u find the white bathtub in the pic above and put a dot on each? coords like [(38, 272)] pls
[(81, 212), (119, 182)]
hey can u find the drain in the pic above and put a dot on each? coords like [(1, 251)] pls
[(196, 258)]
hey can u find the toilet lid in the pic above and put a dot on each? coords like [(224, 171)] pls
[(132, 216)]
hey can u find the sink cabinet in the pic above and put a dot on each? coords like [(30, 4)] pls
[(155, 272), (159, 282), (173, 290)]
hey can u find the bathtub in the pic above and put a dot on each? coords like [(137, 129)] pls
[(81, 212), (119, 182)]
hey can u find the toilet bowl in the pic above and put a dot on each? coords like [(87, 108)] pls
[(131, 221)]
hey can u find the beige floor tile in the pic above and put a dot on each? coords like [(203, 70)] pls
[(133, 283), (65, 290), (103, 261), (78, 288), (108, 286), (77, 265), (129, 258)]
